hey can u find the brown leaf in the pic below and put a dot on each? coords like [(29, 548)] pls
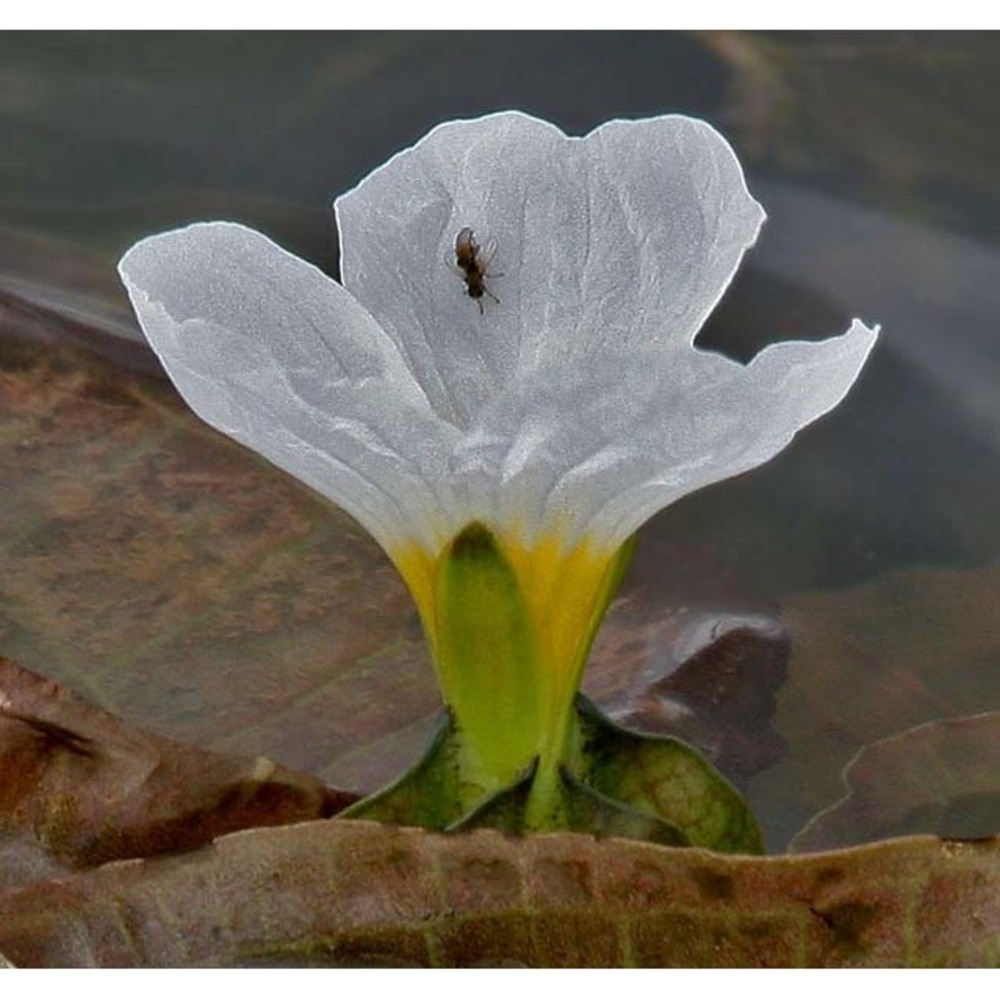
[(177, 580), (709, 678), (78, 787), (343, 892), (869, 661), (941, 777), (56, 293)]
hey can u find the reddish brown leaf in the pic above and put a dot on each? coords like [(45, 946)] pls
[(78, 787), (178, 581), (343, 892), (707, 678)]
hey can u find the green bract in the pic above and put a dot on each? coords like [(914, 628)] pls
[(521, 758)]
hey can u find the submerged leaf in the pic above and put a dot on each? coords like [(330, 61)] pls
[(870, 661), (941, 777), (708, 678), (59, 291), (179, 582)]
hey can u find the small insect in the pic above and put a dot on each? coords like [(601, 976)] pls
[(473, 263)]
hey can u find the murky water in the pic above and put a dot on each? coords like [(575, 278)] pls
[(875, 539)]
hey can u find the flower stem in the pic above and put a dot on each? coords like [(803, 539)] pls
[(545, 808)]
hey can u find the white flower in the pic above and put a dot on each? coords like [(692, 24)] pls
[(560, 417)]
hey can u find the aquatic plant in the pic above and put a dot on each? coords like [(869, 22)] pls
[(502, 421)]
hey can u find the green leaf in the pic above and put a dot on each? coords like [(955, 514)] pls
[(620, 784), (430, 794), (433, 795), (589, 811), (436, 795), (504, 811), (583, 810), (666, 778)]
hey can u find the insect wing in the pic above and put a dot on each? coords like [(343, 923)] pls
[(487, 253)]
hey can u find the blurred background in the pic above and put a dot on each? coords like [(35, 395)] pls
[(835, 609)]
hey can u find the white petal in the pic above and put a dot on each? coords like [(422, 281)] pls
[(625, 238), (270, 351), (601, 450)]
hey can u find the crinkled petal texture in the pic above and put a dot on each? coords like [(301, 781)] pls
[(583, 403), (270, 351), (570, 410)]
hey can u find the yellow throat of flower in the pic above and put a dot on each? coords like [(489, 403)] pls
[(510, 627)]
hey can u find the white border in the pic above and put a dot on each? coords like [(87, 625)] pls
[(491, 14)]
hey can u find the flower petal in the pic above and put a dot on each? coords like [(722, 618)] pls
[(741, 418), (267, 349), (645, 433), (622, 239)]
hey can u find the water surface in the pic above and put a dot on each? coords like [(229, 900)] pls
[(175, 579)]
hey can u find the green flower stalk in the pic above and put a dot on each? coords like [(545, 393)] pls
[(502, 389)]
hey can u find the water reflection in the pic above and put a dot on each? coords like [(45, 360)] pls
[(874, 539)]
